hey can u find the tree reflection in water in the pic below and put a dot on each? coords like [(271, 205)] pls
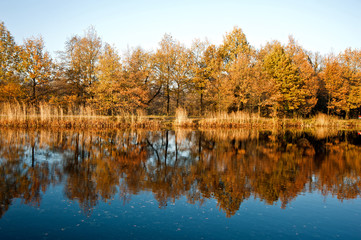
[(229, 166)]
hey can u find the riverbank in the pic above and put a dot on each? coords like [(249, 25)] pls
[(20, 116)]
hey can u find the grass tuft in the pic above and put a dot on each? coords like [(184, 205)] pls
[(181, 118)]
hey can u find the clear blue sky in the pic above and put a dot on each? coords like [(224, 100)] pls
[(323, 25)]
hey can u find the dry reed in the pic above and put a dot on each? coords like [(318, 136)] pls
[(181, 118), (231, 120), (46, 115), (322, 120)]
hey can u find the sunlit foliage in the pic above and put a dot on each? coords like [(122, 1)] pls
[(276, 80)]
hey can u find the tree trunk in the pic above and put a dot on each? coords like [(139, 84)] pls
[(34, 91), (201, 102), (168, 99), (328, 105), (168, 94), (156, 94), (178, 91)]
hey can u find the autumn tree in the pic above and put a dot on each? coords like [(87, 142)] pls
[(337, 88), (37, 68), (237, 56), (164, 62), (182, 73), (280, 68), (234, 45), (79, 61), (200, 78), (106, 91), (317, 62), (10, 82), (261, 91), (117, 88), (351, 61), (137, 69), (136, 74), (241, 76), (342, 79), (274, 80), (219, 95), (307, 73)]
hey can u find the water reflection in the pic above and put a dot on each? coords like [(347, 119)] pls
[(229, 166)]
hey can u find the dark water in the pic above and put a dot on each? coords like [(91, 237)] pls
[(244, 184)]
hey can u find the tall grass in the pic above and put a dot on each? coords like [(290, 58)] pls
[(46, 115), (322, 120), (234, 119), (245, 119), (329, 121), (181, 118)]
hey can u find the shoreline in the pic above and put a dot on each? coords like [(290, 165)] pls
[(166, 122)]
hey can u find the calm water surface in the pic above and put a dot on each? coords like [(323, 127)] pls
[(244, 184)]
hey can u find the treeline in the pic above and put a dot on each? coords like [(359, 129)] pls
[(275, 80)]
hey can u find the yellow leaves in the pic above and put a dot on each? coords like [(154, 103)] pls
[(118, 89), (36, 65), (342, 81), (230, 77), (11, 91), (234, 45)]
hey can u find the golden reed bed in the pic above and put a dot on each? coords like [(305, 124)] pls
[(46, 115)]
